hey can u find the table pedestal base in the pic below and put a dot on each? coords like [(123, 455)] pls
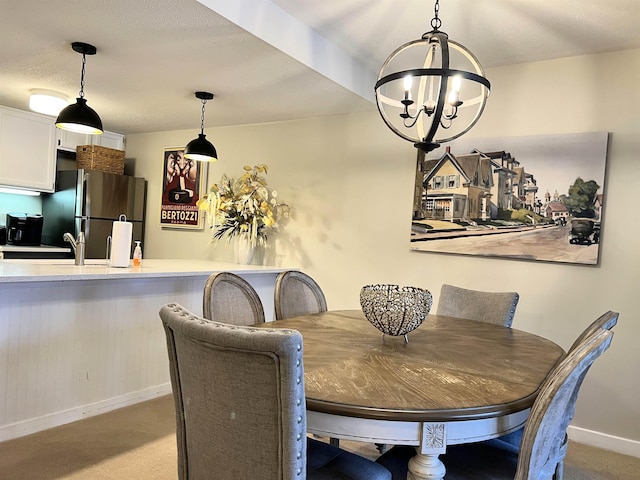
[(426, 467)]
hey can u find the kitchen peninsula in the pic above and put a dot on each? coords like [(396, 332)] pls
[(77, 341)]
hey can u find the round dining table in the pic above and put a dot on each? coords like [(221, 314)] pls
[(454, 381)]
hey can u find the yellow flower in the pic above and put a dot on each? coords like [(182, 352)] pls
[(243, 205)]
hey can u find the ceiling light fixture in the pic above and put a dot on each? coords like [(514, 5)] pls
[(47, 101), (80, 117), (201, 149), (432, 90)]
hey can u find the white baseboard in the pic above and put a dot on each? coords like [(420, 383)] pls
[(592, 438), (56, 419), (612, 443)]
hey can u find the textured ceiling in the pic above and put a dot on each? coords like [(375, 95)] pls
[(269, 60)]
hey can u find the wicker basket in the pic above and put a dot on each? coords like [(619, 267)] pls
[(103, 159)]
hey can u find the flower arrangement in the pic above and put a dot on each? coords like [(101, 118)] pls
[(243, 206)]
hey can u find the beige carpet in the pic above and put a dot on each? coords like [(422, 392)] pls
[(138, 442)]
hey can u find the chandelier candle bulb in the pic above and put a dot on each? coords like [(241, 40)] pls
[(454, 96), (407, 89)]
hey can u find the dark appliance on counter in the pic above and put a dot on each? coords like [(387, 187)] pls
[(92, 201), (24, 229)]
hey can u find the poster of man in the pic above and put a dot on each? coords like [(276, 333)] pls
[(182, 187)]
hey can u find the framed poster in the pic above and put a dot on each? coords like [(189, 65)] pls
[(528, 198), (183, 184)]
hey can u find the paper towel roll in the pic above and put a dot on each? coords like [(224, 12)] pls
[(121, 244)]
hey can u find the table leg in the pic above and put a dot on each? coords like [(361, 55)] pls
[(426, 467)]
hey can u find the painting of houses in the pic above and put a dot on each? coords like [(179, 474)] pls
[(492, 197)]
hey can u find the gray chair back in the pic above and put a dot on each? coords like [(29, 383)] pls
[(543, 442), (543, 447), (493, 307), (296, 293), (606, 321), (239, 399), (230, 298)]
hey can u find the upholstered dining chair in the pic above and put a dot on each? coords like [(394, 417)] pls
[(492, 307), (240, 405), (543, 446), (296, 293), (230, 298), (606, 321)]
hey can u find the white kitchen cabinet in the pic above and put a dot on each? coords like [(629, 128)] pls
[(109, 140), (70, 140), (66, 140), (27, 150)]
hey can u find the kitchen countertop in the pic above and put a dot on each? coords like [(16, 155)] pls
[(14, 271), (34, 252), (33, 248)]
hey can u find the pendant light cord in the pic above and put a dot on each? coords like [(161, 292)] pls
[(204, 102), (436, 23), (84, 60)]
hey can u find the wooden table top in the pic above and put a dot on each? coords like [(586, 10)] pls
[(451, 369)]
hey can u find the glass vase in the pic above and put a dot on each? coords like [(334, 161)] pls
[(243, 249)]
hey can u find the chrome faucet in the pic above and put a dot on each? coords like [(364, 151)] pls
[(78, 246)]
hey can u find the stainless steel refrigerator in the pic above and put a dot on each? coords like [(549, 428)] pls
[(91, 200)]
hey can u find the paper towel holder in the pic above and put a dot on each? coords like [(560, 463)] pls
[(109, 247)]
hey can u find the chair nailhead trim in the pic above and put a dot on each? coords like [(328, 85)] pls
[(301, 435)]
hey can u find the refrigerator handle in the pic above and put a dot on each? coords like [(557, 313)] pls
[(82, 226), (86, 196)]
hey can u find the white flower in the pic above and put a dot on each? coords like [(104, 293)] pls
[(243, 206)]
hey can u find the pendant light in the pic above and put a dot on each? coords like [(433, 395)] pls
[(431, 90), (80, 117), (201, 149)]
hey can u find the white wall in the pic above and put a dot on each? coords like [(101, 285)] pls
[(350, 182)]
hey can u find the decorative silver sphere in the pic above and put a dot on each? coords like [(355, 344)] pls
[(395, 310)]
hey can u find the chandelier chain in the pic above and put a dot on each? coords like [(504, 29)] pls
[(84, 61), (436, 23), (204, 102)]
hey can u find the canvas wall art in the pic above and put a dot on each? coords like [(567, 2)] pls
[(536, 198)]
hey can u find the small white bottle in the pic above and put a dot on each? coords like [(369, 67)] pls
[(137, 254)]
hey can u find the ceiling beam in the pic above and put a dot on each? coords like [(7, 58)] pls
[(270, 23)]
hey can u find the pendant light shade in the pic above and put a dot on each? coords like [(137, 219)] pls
[(80, 117), (201, 149), (431, 90)]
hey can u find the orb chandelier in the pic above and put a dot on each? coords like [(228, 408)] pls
[(432, 90)]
